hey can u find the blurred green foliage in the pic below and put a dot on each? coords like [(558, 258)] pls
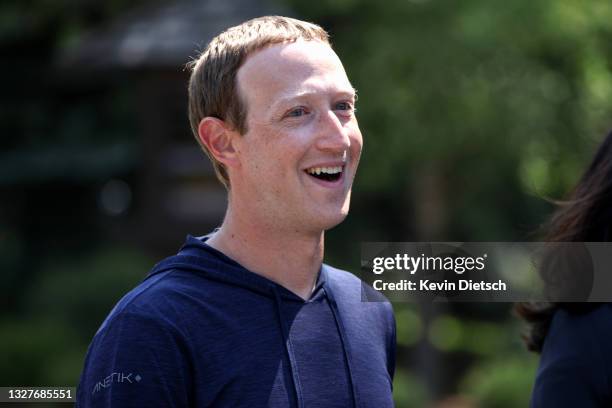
[(61, 309), (502, 382), (498, 103), (408, 389)]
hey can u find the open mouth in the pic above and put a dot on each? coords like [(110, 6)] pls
[(326, 173)]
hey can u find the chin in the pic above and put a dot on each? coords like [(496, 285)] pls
[(326, 217), (334, 224), (329, 221)]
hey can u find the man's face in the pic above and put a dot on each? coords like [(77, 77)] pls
[(299, 155)]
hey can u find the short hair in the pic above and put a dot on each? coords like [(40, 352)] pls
[(213, 89)]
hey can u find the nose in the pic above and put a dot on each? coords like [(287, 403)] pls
[(333, 136)]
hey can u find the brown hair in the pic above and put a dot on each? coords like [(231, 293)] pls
[(212, 87), (585, 217)]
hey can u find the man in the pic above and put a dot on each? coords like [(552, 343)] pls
[(248, 316)]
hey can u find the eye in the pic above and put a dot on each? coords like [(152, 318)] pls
[(297, 112), (345, 106)]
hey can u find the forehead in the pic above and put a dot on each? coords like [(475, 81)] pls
[(289, 70)]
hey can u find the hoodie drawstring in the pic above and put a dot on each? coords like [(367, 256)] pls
[(289, 348), (345, 345)]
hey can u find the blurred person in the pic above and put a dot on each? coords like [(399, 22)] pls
[(574, 338), (249, 316)]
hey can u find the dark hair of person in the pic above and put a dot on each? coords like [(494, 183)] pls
[(586, 216)]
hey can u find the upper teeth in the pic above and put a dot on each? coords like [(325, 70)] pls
[(328, 170)]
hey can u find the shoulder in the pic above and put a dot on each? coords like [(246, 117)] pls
[(167, 300), (132, 353), (571, 328), (576, 358), (145, 300), (151, 311)]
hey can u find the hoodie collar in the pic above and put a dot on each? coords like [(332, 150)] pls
[(200, 257)]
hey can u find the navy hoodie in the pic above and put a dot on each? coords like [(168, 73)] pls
[(202, 331)]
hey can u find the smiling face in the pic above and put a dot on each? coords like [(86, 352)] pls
[(298, 157)]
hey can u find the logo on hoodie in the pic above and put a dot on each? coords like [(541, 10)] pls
[(116, 378)]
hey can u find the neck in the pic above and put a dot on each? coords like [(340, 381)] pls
[(288, 257)]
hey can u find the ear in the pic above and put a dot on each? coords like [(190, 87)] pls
[(219, 139)]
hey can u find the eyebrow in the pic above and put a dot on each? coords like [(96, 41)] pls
[(283, 100)]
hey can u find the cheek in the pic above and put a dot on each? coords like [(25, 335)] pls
[(271, 161), (356, 141), (275, 152)]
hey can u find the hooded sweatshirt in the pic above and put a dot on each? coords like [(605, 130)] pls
[(203, 331)]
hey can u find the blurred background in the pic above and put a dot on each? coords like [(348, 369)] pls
[(475, 114)]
